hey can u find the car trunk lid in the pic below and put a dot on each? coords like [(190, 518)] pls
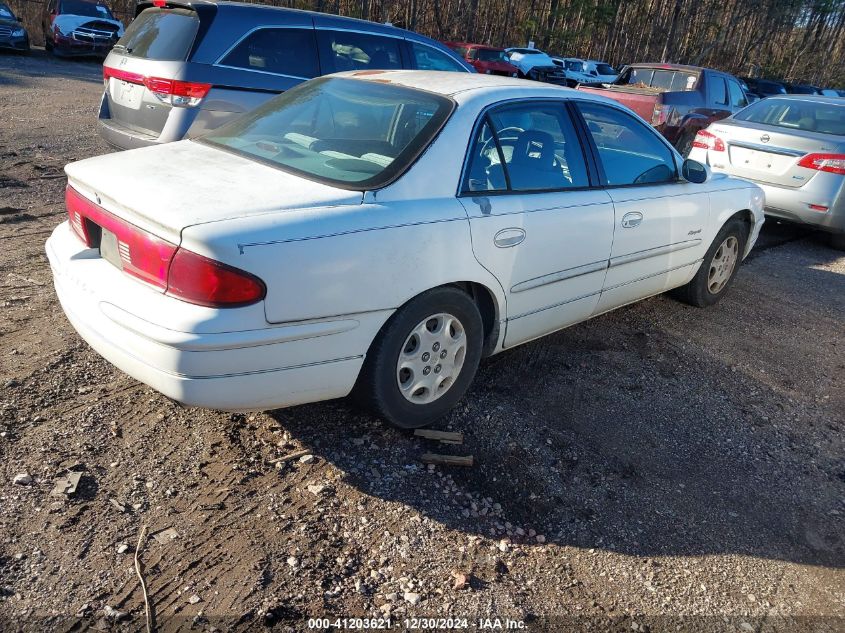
[(164, 189), (769, 153)]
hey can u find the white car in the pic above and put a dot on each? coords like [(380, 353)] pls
[(534, 64), (384, 231), (581, 71)]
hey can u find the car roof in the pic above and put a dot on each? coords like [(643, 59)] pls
[(809, 98), (228, 5), (450, 84), (670, 66)]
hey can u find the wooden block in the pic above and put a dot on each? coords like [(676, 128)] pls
[(442, 436), (446, 460)]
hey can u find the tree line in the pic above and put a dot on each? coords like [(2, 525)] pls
[(793, 40)]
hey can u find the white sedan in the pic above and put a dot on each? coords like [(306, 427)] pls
[(381, 232)]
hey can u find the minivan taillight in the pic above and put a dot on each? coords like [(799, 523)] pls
[(831, 163), (178, 272), (181, 94), (186, 94), (708, 140)]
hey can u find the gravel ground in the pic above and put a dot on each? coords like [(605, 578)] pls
[(658, 468)]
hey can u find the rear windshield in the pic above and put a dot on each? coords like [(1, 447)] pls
[(660, 79), (344, 132), (85, 9), (807, 116), (160, 34), (770, 87), (489, 55)]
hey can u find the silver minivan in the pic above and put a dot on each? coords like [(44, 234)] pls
[(183, 68)]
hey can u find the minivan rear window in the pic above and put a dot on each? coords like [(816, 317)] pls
[(160, 34)]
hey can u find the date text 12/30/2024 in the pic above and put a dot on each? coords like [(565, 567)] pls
[(417, 624)]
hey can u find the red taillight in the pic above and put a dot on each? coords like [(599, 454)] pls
[(706, 140), (206, 282), (177, 93), (831, 163), (660, 115), (171, 269), (142, 254)]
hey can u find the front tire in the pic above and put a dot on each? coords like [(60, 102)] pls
[(424, 359), (718, 268)]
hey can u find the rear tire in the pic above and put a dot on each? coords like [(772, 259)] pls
[(684, 144), (718, 268), (424, 359), (837, 241)]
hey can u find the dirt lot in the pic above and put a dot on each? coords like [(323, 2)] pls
[(658, 468)]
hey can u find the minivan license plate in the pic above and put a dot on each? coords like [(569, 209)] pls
[(126, 94)]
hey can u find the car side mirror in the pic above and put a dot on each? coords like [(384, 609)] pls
[(695, 172)]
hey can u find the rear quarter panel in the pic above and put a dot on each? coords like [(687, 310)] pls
[(327, 262)]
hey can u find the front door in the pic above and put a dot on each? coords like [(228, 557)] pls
[(536, 223), (659, 218)]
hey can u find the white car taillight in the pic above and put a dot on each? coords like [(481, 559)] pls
[(165, 266)]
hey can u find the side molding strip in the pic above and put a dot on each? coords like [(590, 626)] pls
[(561, 275), (653, 252)]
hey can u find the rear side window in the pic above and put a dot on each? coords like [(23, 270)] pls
[(428, 58), (718, 92), (281, 51), (630, 152), (528, 147), (738, 99), (345, 50), (160, 34)]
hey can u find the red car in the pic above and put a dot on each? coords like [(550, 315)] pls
[(488, 60)]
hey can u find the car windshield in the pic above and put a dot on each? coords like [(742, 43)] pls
[(5, 12), (605, 69), (85, 9), (576, 66), (796, 114), (489, 55), (344, 132)]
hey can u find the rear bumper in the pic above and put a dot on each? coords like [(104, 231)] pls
[(210, 363), (793, 203)]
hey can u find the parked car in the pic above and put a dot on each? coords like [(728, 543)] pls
[(801, 89), (334, 239), (487, 60), (794, 148), (763, 88), (12, 33), (534, 64), (79, 28), (678, 100), (580, 71), (208, 63)]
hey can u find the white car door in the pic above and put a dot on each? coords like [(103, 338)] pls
[(660, 219), (536, 222)]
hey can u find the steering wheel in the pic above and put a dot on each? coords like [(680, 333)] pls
[(486, 147)]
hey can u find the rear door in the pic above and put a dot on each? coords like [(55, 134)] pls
[(658, 218), (536, 222)]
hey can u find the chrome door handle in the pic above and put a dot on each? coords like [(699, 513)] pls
[(632, 220), (509, 237)]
